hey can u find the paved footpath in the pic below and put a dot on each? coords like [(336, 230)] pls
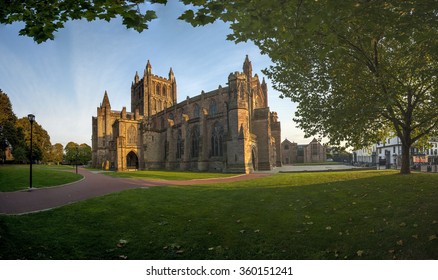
[(92, 185)]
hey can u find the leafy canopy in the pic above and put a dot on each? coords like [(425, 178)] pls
[(356, 67), (43, 18)]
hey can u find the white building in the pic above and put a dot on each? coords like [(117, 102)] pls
[(389, 153), (365, 155)]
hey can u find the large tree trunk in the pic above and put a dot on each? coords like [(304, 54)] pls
[(405, 161)]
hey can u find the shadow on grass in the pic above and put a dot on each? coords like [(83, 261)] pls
[(357, 215)]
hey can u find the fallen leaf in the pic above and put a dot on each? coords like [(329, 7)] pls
[(432, 237), (238, 221), (307, 217), (402, 224), (328, 228), (180, 251), (434, 222), (211, 249), (242, 231), (360, 253), (400, 242), (122, 243), (391, 251), (123, 257), (415, 236), (257, 231)]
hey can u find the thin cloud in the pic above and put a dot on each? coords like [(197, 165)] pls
[(63, 81)]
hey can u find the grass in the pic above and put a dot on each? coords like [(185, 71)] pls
[(167, 175), (339, 215), (16, 177)]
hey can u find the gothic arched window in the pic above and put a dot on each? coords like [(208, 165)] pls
[(217, 136), (196, 111), (194, 144), (179, 145), (157, 91), (164, 91), (213, 108)]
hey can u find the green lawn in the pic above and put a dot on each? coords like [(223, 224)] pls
[(16, 177), (339, 215), (167, 175)]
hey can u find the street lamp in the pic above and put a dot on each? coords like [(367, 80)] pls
[(31, 118), (77, 157)]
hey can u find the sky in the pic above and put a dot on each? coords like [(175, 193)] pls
[(62, 82)]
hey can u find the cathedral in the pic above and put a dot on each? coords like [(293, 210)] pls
[(229, 129)]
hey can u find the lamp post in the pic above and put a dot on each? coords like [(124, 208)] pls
[(77, 157), (31, 118)]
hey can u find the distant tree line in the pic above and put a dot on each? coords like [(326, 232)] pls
[(15, 136)]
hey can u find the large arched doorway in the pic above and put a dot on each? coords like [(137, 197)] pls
[(132, 161)]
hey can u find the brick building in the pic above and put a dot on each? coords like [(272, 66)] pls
[(292, 152)]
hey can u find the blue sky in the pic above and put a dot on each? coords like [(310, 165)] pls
[(63, 81)]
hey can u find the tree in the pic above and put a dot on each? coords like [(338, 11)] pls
[(57, 153), (71, 152), (10, 134), (358, 69), (20, 155), (43, 18), (41, 145), (84, 153), (6, 112)]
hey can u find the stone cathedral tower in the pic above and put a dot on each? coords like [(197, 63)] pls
[(152, 93)]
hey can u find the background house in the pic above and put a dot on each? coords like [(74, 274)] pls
[(292, 152)]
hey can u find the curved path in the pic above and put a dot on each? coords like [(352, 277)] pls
[(93, 185)]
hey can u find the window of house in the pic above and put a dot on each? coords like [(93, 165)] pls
[(300, 151), (314, 149), (286, 147)]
